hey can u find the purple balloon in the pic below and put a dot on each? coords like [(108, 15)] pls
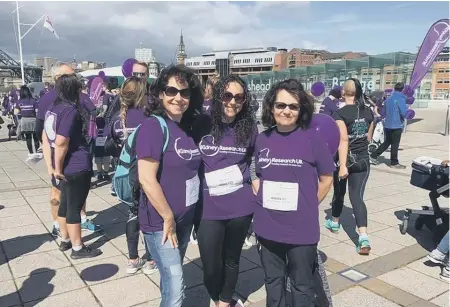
[(408, 91), (127, 67), (317, 89), (410, 100), (329, 130), (410, 114)]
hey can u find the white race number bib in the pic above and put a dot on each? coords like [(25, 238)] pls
[(281, 196), (224, 181), (100, 141), (192, 190)]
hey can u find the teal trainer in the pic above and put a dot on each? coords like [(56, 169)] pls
[(363, 247), (332, 226)]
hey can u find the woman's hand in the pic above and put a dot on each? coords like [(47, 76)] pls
[(169, 232), (59, 176), (343, 172)]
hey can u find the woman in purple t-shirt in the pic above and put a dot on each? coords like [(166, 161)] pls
[(226, 145), (295, 171), (169, 175), (66, 154), (27, 107)]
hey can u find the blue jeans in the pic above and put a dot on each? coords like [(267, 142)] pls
[(170, 264), (443, 245)]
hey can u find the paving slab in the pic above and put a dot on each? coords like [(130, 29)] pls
[(75, 298), (358, 296), (8, 294)]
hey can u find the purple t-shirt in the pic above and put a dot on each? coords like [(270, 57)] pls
[(288, 165), (27, 107), (63, 119), (49, 98), (179, 173), (134, 118), (227, 191), (329, 106)]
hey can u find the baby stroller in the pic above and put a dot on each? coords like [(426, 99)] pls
[(378, 137), (429, 174), (12, 128)]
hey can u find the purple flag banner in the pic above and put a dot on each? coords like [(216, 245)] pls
[(95, 91), (432, 45)]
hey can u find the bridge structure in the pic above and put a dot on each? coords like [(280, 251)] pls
[(32, 73)]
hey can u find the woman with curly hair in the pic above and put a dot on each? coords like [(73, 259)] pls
[(168, 164), (295, 171), (226, 146)]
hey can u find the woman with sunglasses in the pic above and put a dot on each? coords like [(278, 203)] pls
[(355, 122), (133, 99), (295, 171), (169, 175), (226, 145)]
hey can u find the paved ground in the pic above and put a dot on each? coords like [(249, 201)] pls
[(33, 272)]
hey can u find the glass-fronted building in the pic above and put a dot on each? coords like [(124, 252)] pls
[(376, 72)]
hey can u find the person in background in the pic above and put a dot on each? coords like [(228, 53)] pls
[(440, 256), (208, 93), (169, 180), (27, 107), (355, 122), (101, 158), (226, 146), (68, 160), (295, 172), (331, 103), (395, 114), (133, 100), (45, 90), (43, 106)]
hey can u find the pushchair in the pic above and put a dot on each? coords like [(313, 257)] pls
[(12, 127), (429, 174), (377, 138)]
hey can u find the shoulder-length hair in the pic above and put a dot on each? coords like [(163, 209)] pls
[(243, 123), (25, 92), (68, 88), (133, 94), (187, 75), (295, 88)]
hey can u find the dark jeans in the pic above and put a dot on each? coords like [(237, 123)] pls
[(220, 244), (357, 179), (132, 234), (299, 263), (28, 137), (392, 138), (74, 192)]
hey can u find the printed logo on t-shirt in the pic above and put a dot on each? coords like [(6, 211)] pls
[(208, 148), (360, 129), (185, 154), (265, 161), (50, 125)]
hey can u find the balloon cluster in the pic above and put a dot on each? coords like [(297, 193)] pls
[(409, 93)]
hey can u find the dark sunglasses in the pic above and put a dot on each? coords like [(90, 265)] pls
[(227, 97), (173, 91), (139, 74), (282, 106)]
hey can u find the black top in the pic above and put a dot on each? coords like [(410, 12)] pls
[(358, 122)]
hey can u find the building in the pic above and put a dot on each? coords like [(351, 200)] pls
[(46, 63), (239, 62), (181, 53), (302, 57), (144, 55), (440, 84), (155, 68), (89, 65), (328, 57)]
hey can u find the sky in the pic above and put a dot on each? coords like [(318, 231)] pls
[(110, 31)]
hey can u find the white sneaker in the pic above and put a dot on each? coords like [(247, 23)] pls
[(149, 267), (134, 266), (193, 238)]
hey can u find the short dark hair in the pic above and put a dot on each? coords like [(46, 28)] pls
[(336, 93), (159, 85), (399, 86), (295, 88), (25, 92)]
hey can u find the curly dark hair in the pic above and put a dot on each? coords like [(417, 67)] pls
[(295, 88), (195, 102), (244, 122)]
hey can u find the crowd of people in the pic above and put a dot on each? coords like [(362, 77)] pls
[(201, 171)]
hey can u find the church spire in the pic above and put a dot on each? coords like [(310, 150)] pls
[(181, 54)]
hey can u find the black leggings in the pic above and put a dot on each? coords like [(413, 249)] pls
[(28, 136), (299, 263), (357, 179), (74, 192), (132, 234), (220, 244)]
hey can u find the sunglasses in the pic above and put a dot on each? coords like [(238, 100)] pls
[(139, 74), (173, 91), (238, 98), (282, 106)]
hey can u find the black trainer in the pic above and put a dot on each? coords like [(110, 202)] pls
[(65, 246), (56, 232), (85, 252)]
